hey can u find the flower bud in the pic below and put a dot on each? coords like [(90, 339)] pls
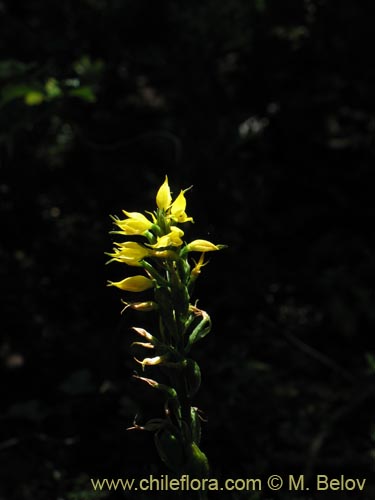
[(197, 466), (200, 331), (193, 377), (170, 449), (170, 391), (157, 360), (146, 306), (133, 284), (163, 196), (147, 345), (143, 333), (195, 425), (202, 246)]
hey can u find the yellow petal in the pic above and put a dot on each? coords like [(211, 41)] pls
[(141, 306), (163, 196), (147, 345), (133, 284), (130, 253), (135, 223), (198, 265), (177, 211), (137, 216), (179, 204), (143, 333), (173, 238), (134, 226), (152, 361), (202, 246)]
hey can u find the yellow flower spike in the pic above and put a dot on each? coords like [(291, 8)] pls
[(162, 252), (133, 284), (172, 239), (163, 196), (177, 210), (130, 253), (202, 246)]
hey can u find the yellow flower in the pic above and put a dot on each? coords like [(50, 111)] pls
[(133, 284), (140, 306), (172, 239), (130, 253), (136, 223), (198, 265), (202, 246), (177, 210), (163, 196), (157, 360), (144, 333)]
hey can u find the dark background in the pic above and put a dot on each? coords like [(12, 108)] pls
[(267, 108)]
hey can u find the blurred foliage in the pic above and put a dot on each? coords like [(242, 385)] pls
[(268, 109)]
